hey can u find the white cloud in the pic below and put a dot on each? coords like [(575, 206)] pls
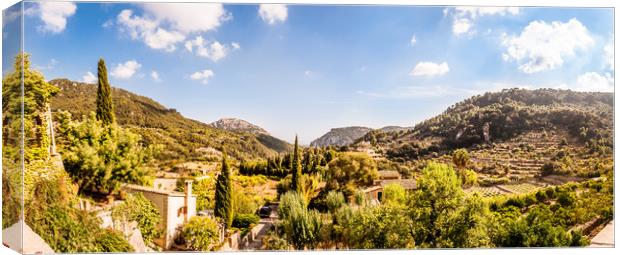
[(214, 50), (155, 75), (430, 69), (148, 30), (308, 73), (273, 13), (592, 81), (608, 56), (543, 46), (413, 40), (164, 25), (125, 70), (463, 18), (189, 17), (235, 45), (53, 14), (89, 78), (203, 75)]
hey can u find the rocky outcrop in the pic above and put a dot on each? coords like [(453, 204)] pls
[(340, 136)]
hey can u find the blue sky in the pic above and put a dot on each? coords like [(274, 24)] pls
[(303, 69)]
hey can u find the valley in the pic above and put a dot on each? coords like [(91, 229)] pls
[(524, 168)]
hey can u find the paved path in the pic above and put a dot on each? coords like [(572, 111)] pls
[(605, 238), (264, 225)]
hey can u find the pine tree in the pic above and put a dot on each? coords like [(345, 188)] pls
[(105, 109), (296, 183), (223, 194)]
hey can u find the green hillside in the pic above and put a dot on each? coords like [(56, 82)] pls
[(585, 118), (183, 139)]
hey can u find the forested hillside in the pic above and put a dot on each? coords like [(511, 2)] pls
[(183, 139), (586, 118)]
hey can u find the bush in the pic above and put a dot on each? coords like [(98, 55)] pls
[(549, 168), (99, 158), (245, 220), (334, 200), (113, 241), (137, 208), (200, 233), (394, 193)]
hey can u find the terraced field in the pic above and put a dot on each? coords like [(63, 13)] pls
[(518, 188), (486, 191)]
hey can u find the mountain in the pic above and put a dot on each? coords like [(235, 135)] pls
[(583, 117), (237, 125), (183, 138), (242, 126), (395, 129), (340, 136)]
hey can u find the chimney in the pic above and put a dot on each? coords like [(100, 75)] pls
[(188, 194)]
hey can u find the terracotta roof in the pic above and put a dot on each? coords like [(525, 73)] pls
[(405, 183), (389, 174)]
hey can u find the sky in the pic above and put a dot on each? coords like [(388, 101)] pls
[(304, 69)]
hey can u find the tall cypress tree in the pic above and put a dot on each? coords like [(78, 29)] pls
[(223, 194), (296, 185), (105, 109)]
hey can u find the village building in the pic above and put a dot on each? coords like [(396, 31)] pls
[(175, 208), (386, 177)]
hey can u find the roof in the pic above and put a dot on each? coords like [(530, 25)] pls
[(31, 242), (372, 188), (408, 184), (153, 190), (389, 174)]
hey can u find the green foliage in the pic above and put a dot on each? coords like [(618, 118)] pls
[(245, 220), (334, 200), (105, 109), (99, 158), (442, 215), (273, 242), (460, 158), (184, 139), (200, 233), (54, 216), (383, 227), (469, 177), (113, 241), (508, 114), (314, 161), (351, 170), (394, 193), (296, 169), (302, 227), (204, 189), (223, 194), (137, 208)]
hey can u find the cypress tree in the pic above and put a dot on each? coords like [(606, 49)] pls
[(105, 109), (223, 194), (296, 185)]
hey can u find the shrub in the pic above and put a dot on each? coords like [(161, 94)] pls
[(244, 220), (394, 193), (113, 241), (137, 208), (549, 168), (334, 200), (200, 233)]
